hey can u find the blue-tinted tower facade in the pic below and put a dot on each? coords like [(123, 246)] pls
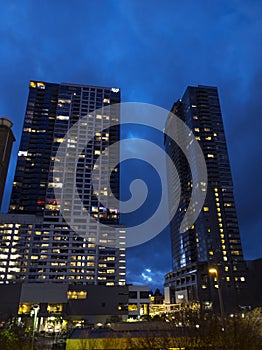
[(214, 239)]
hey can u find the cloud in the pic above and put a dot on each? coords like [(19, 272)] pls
[(146, 277)]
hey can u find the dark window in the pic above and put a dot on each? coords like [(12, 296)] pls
[(144, 295), (133, 295)]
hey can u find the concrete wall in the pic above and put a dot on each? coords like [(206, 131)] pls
[(44, 293), (9, 300), (100, 300)]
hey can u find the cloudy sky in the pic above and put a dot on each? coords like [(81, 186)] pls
[(152, 50)]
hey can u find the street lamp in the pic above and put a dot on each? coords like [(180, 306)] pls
[(36, 309), (214, 271)]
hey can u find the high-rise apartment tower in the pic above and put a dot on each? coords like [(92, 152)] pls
[(37, 244), (214, 240)]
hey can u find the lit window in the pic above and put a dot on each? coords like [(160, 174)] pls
[(63, 101), (54, 308), (206, 209), (62, 117), (235, 252), (111, 284), (210, 156), (22, 154), (115, 90), (40, 85), (59, 140), (55, 185), (132, 307), (52, 207), (76, 294)]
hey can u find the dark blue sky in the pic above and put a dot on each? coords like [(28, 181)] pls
[(152, 50)]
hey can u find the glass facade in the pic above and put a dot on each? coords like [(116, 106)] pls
[(214, 239)]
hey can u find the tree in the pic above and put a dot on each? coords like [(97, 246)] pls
[(157, 292), (15, 336), (244, 331), (241, 332)]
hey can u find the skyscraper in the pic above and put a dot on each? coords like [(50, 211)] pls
[(214, 240), (42, 246), (6, 142)]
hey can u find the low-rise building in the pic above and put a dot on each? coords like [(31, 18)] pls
[(79, 304), (138, 301)]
